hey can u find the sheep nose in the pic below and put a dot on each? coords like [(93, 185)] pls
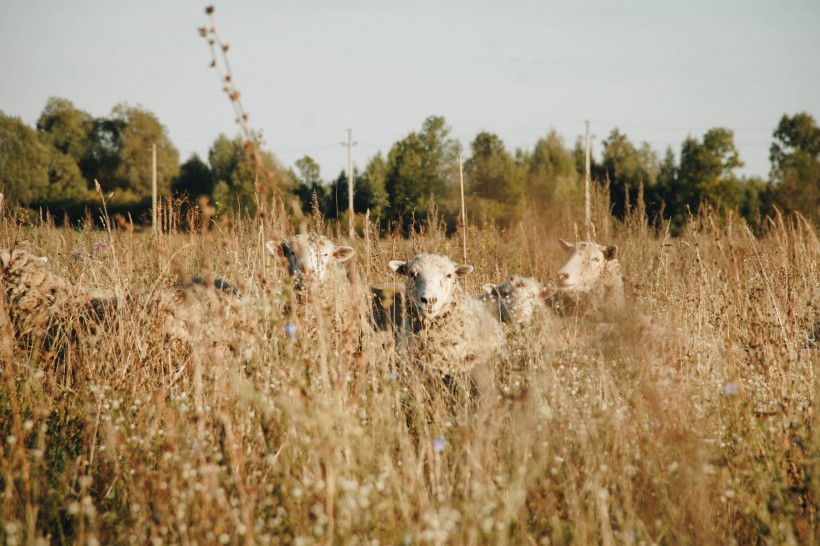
[(563, 276), (429, 301)]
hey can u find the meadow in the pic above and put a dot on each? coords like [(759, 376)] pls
[(690, 421)]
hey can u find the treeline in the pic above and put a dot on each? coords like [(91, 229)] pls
[(55, 164)]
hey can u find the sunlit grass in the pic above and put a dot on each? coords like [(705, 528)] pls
[(690, 421)]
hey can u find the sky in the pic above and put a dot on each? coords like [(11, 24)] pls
[(659, 71)]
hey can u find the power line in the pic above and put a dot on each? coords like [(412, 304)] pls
[(661, 128)]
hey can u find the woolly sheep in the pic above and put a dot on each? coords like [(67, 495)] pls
[(450, 331), (310, 257), (38, 299), (517, 301), (590, 278)]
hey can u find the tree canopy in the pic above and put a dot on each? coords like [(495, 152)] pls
[(795, 158), (420, 166), (58, 160)]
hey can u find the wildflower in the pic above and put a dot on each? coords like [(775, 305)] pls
[(99, 246), (290, 330), (394, 375), (439, 444), (730, 389)]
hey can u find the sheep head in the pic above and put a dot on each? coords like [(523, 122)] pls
[(432, 282), (585, 265)]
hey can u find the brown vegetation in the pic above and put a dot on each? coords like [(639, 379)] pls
[(312, 428)]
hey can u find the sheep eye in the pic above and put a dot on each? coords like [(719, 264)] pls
[(449, 275)]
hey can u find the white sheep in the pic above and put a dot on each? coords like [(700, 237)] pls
[(590, 280), (311, 258), (518, 301), (446, 329)]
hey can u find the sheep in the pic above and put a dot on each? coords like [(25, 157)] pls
[(220, 284), (41, 304), (204, 315), (590, 280), (517, 301), (450, 331), (310, 257), (323, 290), (37, 299)]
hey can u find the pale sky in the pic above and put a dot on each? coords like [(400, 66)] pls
[(309, 70)]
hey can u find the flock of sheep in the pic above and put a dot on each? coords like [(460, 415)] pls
[(433, 321)]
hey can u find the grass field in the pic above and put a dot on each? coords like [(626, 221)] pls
[(691, 421)]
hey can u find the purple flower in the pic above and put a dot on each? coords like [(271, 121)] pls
[(439, 444), (730, 389), (290, 330), (394, 375), (100, 246)]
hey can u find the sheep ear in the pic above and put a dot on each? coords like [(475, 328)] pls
[(398, 266), (343, 253), (278, 249), (566, 245), (462, 270), (490, 289), (273, 248), (611, 252)]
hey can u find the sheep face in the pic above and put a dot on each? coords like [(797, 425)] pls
[(585, 265), (309, 256), (517, 298), (431, 282)]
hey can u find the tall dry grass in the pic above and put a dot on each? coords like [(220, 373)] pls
[(690, 421)]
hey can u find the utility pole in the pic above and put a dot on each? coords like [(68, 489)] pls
[(154, 188), (350, 145), (463, 211), (587, 206)]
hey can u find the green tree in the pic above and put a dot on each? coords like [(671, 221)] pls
[(664, 202), (103, 156), (495, 183), (627, 168), (69, 130), (419, 166), (65, 181), (308, 182), (24, 162), (194, 179), (705, 174), (551, 176), (370, 193), (120, 154), (795, 158), (140, 131), (238, 181)]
